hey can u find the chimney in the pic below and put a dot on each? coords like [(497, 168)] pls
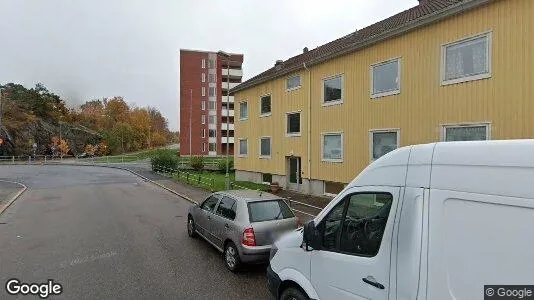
[(305, 50), (278, 62)]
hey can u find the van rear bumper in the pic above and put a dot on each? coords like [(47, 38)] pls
[(273, 282)]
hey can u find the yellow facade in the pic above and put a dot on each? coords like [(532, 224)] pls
[(423, 106)]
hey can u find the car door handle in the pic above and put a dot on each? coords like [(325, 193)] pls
[(370, 280)]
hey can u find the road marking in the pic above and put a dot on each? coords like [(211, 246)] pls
[(87, 259)]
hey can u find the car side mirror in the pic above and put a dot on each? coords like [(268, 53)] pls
[(311, 237)]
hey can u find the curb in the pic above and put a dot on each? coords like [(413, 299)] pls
[(17, 195), (119, 168)]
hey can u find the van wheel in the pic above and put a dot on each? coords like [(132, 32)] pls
[(231, 257), (191, 231), (293, 294)]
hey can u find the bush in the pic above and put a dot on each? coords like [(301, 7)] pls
[(221, 165), (197, 163), (164, 159)]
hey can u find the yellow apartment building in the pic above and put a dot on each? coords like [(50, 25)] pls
[(444, 70)]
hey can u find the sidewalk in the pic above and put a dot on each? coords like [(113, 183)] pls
[(7, 191)]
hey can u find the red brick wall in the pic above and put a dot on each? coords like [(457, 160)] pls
[(190, 79)]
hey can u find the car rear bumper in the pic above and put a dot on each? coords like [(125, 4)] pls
[(273, 282), (257, 254)]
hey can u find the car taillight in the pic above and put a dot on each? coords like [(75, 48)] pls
[(248, 237), (299, 223)]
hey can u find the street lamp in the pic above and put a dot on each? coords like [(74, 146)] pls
[(227, 56)]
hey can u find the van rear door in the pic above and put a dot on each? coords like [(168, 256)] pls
[(354, 259)]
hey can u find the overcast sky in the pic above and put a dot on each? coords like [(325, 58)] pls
[(102, 48)]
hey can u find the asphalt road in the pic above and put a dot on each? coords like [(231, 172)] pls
[(106, 234)]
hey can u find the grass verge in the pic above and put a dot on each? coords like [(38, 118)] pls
[(215, 181)]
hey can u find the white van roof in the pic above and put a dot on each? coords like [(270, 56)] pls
[(473, 166)]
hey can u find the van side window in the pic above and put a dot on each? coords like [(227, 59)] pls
[(364, 223), (332, 226)]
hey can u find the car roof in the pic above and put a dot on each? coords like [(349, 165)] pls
[(250, 195)]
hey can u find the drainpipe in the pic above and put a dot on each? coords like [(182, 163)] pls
[(309, 127)]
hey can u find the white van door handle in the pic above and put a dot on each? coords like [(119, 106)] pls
[(370, 280)]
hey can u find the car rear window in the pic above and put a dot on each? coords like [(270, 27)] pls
[(269, 210)]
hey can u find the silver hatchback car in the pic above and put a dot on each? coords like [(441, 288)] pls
[(243, 224)]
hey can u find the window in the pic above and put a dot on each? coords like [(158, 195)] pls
[(209, 204), (212, 133), (211, 77), (204, 133), (204, 145), (261, 211), (203, 77), (383, 142), (203, 105), (468, 59), (265, 147), (333, 147), (203, 91), (212, 105), (466, 132), (356, 224), (243, 110), (385, 78), (212, 147), (211, 64), (293, 83), (211, 92), (203, 63), (293, 124), (227, 208), (333, 188), (211, 119), (332, 90), (267, 177), (243, 147), (203, 119), (265, 105)]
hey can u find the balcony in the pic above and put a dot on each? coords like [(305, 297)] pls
[(227, 113), (223, 99), (233, 73), (224, 125), (230, 140), (224, 85)]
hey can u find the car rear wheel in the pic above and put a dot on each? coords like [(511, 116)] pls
[(191, 227), (231, 257), (293, 294)]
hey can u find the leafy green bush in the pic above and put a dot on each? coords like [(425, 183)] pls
[(197, 163), (221, 165), (164, 159)]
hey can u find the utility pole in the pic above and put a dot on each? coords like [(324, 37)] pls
[(190, 118), (1, 111)]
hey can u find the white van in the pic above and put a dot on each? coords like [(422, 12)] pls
[(435, 221)]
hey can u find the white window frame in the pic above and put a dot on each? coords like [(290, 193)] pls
[(245, 118), (335, 102), (270, 148), (203, 77), (203, 118), (203, 63), (385, 130), (372, 70), (470, 124), (203, 147), (300, 123), (203, 132), (444, 82), (323, 134), (214, 91), (214, 119), (203, 91), (203, 105), (239, 150), (210, 77), (269, 113), (294, 88)]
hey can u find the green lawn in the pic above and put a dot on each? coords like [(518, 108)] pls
[(215, 181)]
